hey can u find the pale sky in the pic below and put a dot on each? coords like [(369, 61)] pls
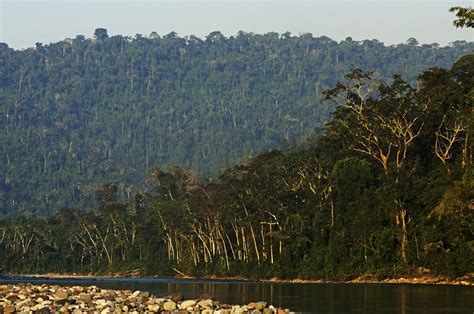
[(23, 23)]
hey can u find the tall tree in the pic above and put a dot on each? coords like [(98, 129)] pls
[(464, 17)]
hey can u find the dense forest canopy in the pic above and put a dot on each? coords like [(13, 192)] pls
[(387, 190), (83, 112)]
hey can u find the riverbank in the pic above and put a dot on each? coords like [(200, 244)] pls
[(366, 279), (78, 299)]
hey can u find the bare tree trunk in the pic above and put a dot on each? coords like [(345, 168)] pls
[(255, 243), (194, 253), (264, 250), (271, 245), (465, 158), (230, 245), (225, 250), (401, 220), (237, 238), (244, 245)]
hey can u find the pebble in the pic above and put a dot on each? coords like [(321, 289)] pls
[(26, 298), (188, 303), (169, 306)]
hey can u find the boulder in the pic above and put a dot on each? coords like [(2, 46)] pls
[(153, 308), (206, 303), (61, 294), (237, 309), (84, 298), (169, 306), (177, 298), (260, 305), (188, 303), (9, 309)]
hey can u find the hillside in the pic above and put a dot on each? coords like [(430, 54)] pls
[(387, 191), (79, 113)]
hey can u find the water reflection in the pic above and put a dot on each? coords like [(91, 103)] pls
[(315, 298)]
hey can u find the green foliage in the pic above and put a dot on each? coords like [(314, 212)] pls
[(465, 17), (80, 113), (449, 244), (385, 189)]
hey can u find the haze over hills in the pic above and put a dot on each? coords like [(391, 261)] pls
[(79, 113)]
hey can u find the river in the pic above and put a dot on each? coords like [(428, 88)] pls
[(298, 297)]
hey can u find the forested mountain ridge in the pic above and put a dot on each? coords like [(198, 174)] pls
[(387, 190), (82, 112)]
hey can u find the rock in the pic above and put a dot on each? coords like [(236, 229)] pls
[(27, 298), (237, 309), (177, 298), (9, 309), (169, 306), (61, 301), (84, 298), (188, 303), (38, 307), (108, 297), (206, 303), (12, 297), (260, 305), (22, 303), (61, 294), (153, 308)]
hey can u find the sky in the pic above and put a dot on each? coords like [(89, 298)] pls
[(23, 23)]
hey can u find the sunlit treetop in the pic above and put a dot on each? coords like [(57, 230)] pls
[(465, 17)]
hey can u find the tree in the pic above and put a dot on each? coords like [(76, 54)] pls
[(383, 128), (100, 33), (465, 17), (412, 42), (383, 124), (118, 106)]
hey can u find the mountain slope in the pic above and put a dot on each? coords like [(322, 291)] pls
[(82, 112)]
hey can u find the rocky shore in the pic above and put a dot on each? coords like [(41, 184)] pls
[(26, 298)]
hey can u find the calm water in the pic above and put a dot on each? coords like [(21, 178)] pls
[(315, 298)]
